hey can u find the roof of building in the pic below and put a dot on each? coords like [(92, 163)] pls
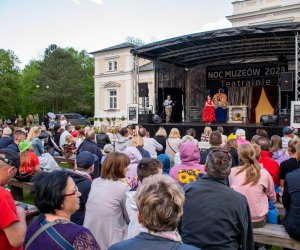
[(146, 67), (238, 44), (118, 46)]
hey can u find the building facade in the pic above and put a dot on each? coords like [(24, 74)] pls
[(115, 85), (256, 12)]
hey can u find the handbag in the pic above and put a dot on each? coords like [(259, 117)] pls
[(57, 237), (170, 146)]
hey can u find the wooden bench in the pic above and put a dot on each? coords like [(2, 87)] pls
[(61, 159), (273, 234), (16, 188)]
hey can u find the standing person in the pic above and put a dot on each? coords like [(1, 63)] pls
[(57, 198), (208, 115), (122, 140), (82, 177), (253, 181), (13, 218), (168, 104), (107, 200), (161, 137), (222, 221), (102, 138), (29, 121), (173, 144), (91, 146), (30, 163), (20, 122), (63, 121), (160, 204)]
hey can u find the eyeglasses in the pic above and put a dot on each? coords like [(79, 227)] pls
[(75, 191), (7, 161)]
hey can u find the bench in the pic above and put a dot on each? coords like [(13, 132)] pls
[(61, 159), (16, 188), (274, 234)]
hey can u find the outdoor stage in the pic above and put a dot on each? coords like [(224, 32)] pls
[(250, 128)]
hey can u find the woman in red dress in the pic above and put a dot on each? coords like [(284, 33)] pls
[(208, 115)]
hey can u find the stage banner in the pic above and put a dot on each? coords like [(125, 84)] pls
[(245, 75)]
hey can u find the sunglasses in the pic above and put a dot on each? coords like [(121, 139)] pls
[(75, 192), (7, 161)]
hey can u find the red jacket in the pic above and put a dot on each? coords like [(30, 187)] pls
[(270, 165)]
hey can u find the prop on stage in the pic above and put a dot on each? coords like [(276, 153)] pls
[(221, 104)]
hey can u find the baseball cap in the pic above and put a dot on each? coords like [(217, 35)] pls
[(11, 157), (86, 159), (287, 130), (24, 145)]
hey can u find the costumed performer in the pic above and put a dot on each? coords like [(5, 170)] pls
[(208, 115)]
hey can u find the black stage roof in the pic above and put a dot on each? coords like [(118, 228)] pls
[(235, 45)]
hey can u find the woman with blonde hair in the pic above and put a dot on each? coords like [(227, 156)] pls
[(173, 144), (254, 182), (33, 137), (138, 142), (279, 154), (161, 137), (205, 134)]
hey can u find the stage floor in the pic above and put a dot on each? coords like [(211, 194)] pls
[(250, 128)]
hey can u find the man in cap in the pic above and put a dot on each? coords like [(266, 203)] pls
[(82, 177), (6, 138), (215, 217), (13, 218), (288, 134)]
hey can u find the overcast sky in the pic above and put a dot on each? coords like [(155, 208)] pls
[(29, 26)]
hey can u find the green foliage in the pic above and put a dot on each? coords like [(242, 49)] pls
[(135, 40)]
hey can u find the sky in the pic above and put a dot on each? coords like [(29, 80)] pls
[(28, 27)]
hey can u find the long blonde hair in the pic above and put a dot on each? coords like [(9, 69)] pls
[(174, 133), (33, 133), (247, 156)]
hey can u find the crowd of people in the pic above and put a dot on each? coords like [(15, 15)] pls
[(133, 191)]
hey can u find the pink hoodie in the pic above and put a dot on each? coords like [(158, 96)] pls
[(189, 169)]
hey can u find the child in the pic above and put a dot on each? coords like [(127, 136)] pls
[(69, 147)]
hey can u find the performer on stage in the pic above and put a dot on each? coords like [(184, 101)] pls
[(221, 104), (208, 115), (168, 104)]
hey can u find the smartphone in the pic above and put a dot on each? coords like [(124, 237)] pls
[(23, 205)]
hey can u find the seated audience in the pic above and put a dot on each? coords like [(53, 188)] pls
[(291, 164), (138, 142), (57, 198), (150, 144), (82, 177), (215, 141), (262, 132), (106, 214), (291, 202), (165, 160), (30, 163), (161, 137), (173, 144), (254, 182), (241, 137), (288, 134), (205, 134), (19, 136), (12, 218), (135, 157), (122, 140), (215, 217), (102, 138), (6, 138), (232, 146), (279, 154), (160, 205), (189, 169), (145, 168), (69, 147), (106, 150), (224, 137), (265, 158)]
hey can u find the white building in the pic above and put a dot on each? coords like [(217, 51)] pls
[(255, 12), (114, 84)]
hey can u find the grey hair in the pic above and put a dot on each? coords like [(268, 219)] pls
[(218, 165)]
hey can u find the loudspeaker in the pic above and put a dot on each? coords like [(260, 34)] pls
[(156, 119), (145, 118), (284, 118), (286, 81), (143, 89), (268, 120)]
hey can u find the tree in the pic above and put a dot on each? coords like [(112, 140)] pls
[(9, 83), (135, 40)]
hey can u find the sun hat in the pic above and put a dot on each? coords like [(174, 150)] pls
[(24, 145)]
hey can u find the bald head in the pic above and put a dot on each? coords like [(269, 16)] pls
[(90, 134)]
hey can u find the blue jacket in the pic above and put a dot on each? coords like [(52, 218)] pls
[(147, 241), (5, 141), (291, 202)]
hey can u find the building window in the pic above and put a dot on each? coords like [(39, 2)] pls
[(112, 65), (113, 99)]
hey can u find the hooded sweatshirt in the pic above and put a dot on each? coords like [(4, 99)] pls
[(189, 169), (135, 156), (121, 142), (280, 155)]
